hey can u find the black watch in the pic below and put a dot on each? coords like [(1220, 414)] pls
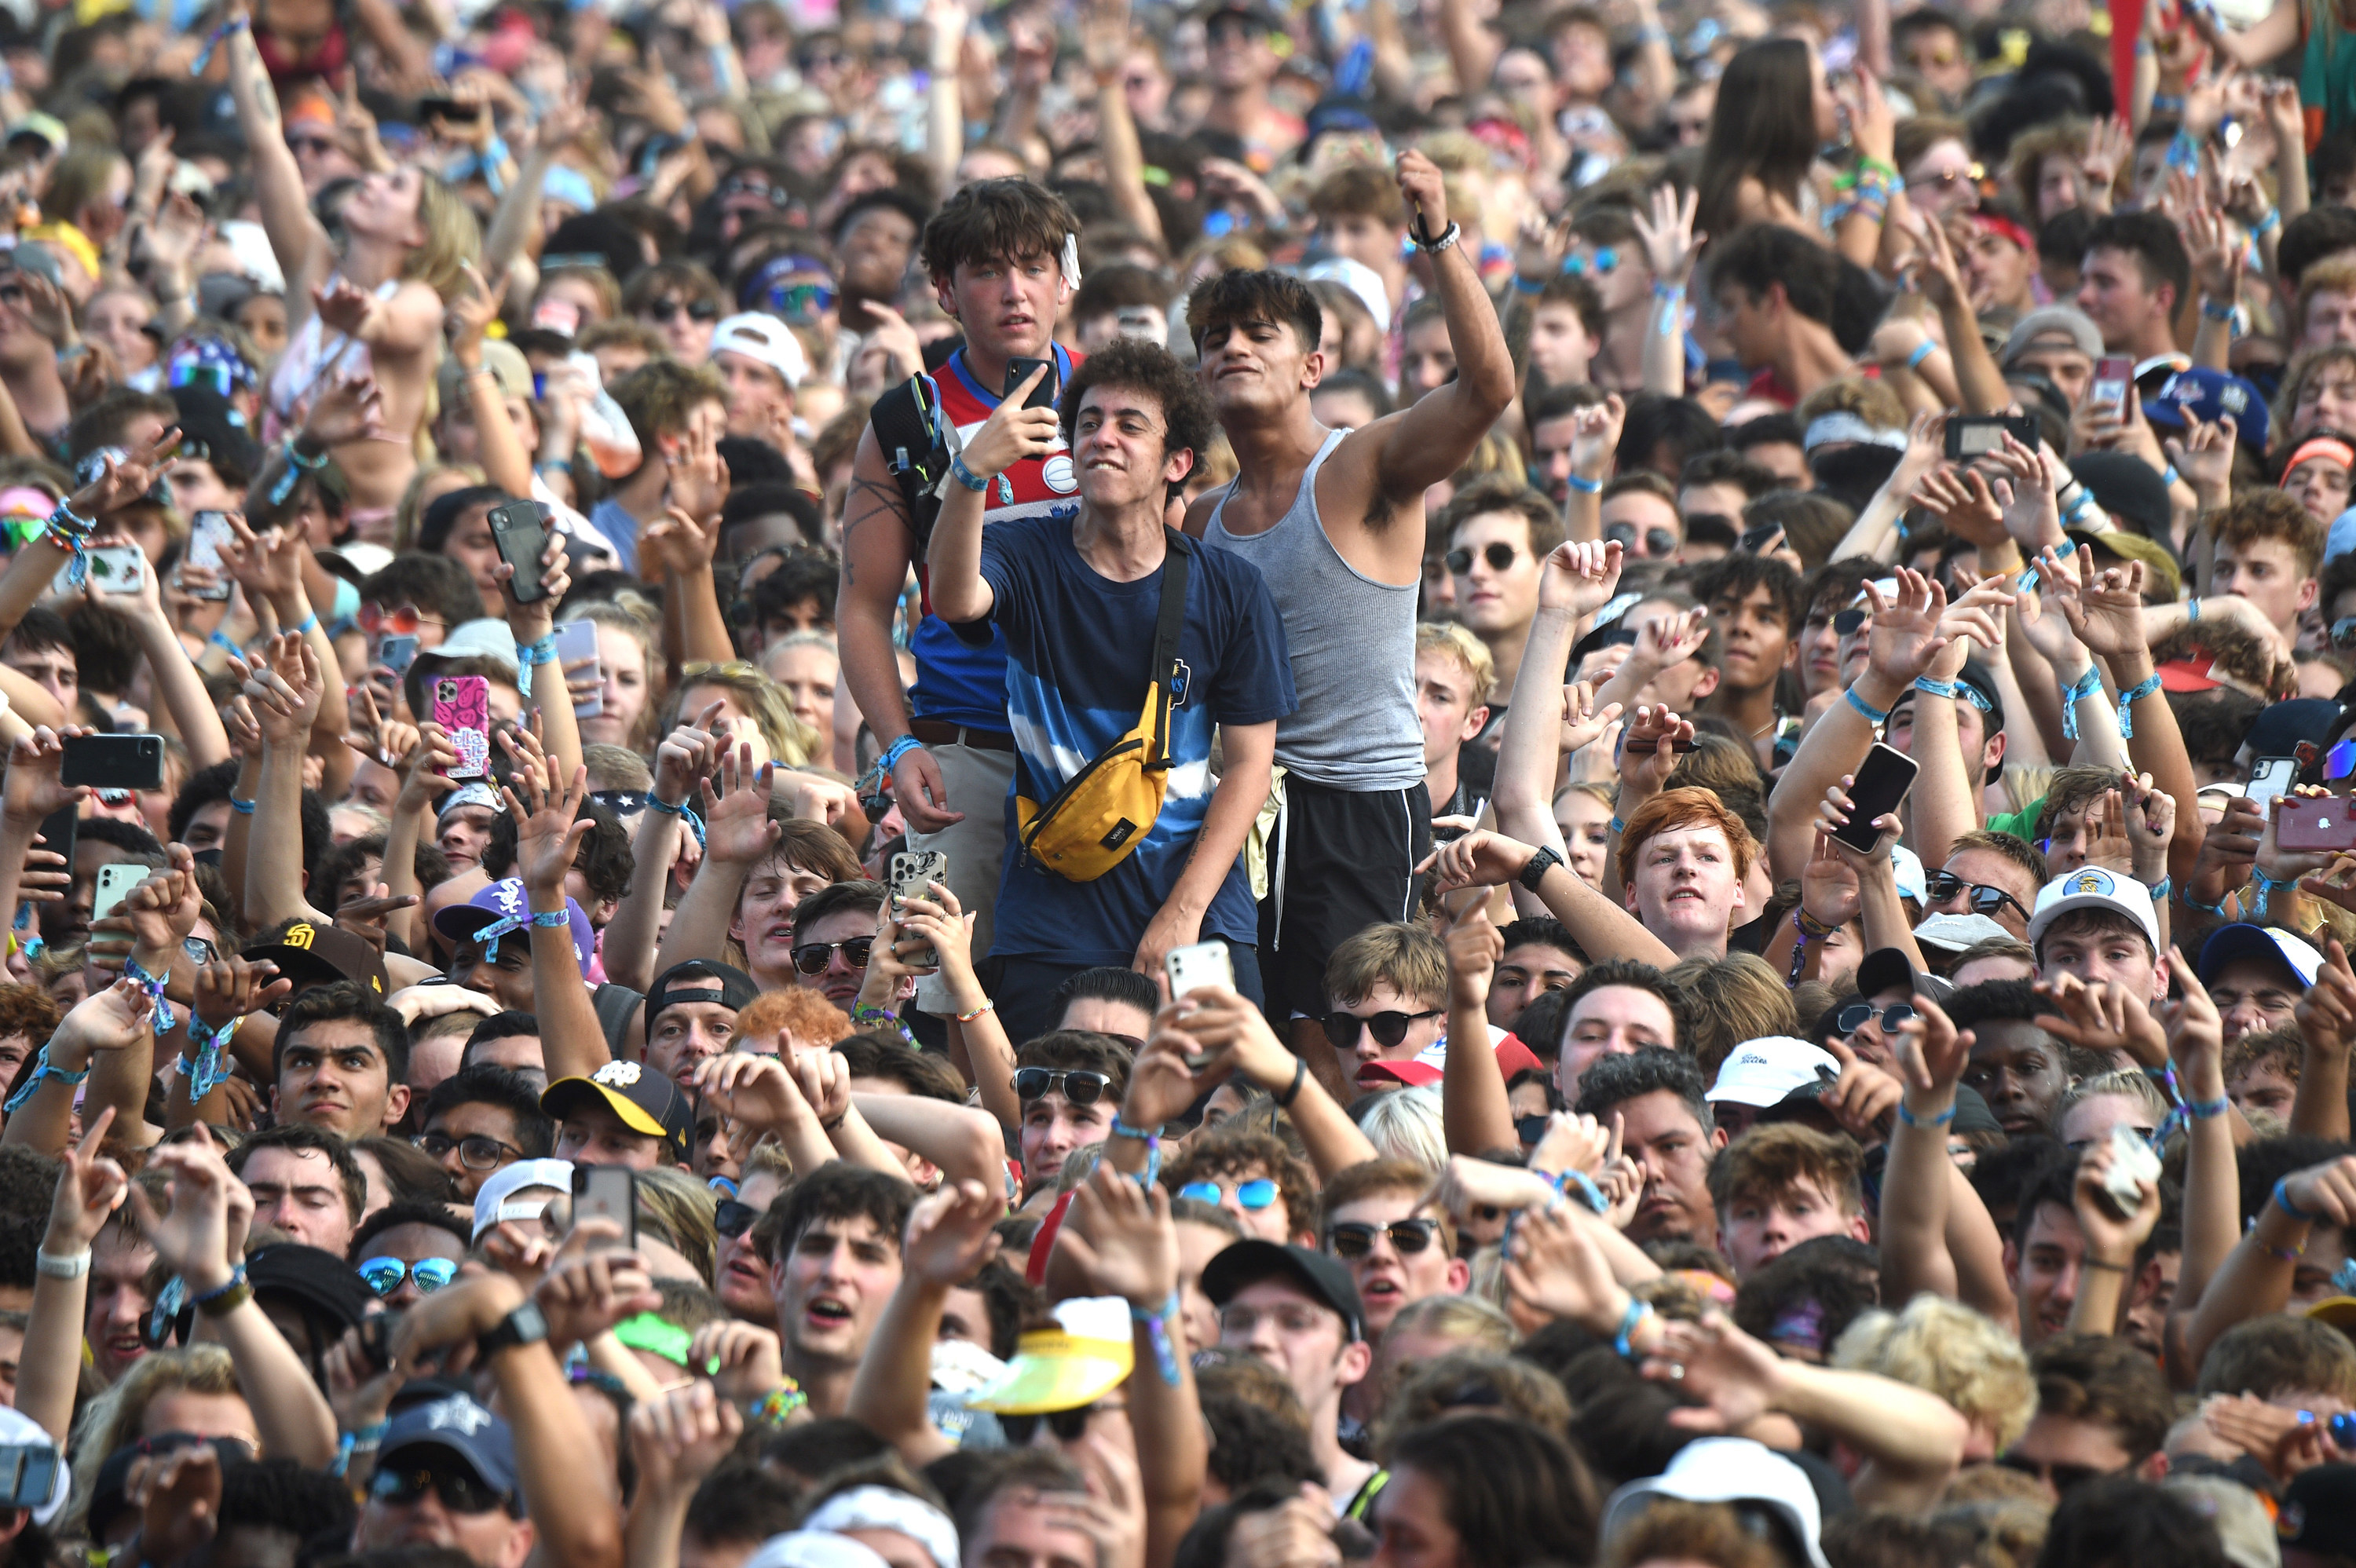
[(524, 1326), (1535, 872)]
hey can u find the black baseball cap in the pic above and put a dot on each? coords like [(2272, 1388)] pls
[(2318, 1512), (694, 980), (1247, 1263)]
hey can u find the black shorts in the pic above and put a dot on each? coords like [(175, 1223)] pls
[(1339, 861)]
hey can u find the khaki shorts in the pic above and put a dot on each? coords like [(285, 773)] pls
[(978, 782)]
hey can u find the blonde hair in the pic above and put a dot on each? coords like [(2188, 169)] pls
[(453, 238), (1470, 655), (621, 618), (1873, 401), (791, 742), (112, 1419), (2129, 1082), (1734, 998), (1410, 956), (685, 1211), (1404, 1125), (1946, 1349)]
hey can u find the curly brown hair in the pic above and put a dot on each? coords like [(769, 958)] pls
[(1187, 422), (27, 1010)]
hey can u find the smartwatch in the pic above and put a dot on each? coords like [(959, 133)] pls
[(524, 1326), (1535, 872)]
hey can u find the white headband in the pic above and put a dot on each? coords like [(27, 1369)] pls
[(884, 1508), (1842, 425)]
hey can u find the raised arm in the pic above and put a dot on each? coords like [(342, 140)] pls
[(1576, 581), (48, 1366), (951, 1235), (304, 250), (284, 686), (1104, 38), (2212, 1199), (1671, 245), (1943, 808), (677, 1440), (534, 630), (1013, 432), (2327, 1020), (737, 835), (1476, 1114), (1600, 927)]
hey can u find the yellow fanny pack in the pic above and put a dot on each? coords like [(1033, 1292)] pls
[(1104, 811)]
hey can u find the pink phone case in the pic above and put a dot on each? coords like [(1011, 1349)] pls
[(461, 705)]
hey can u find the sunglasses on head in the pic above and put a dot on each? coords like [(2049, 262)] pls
[(1499, 556), (1852, 1016), (459, 1491), (1848, 620), (800, 301), (1356, 1238), (1388, 1028), (1079, 1087), (733, 1219), (663, 312), (1658, 542), (476, 1151), (812, 957), (1069, 1425), (1944, 885), (1255, 1194), (384, 1275)]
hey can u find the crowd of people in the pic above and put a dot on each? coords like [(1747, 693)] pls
[(767, 803)]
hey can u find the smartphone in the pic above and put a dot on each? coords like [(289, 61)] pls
[(28, 1473), (1974, 435), (59, 830), (2317, 823), (2113, 374), (1043, 395), (2270, 779), (206, 534), (397, 654), (1882, 781), (116, 568), (114, 882), (114, 761), (519, 530), (576, 641), (376, 1337), (1204, 964), (2132, 1163), (607, 1193), (1753, 541), (462, 706), (913, 873)]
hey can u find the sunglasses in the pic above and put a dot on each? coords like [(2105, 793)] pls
[(310, 146), (1499, 557), (1069, 1425), (1530, 1129), (401, 622), (1388, 1027), (800, 301), (459, 1492), (384, 1275), (476, 1151), (1605, 261), (663, 312), (2060, 1478), (812, 957), (733, 1219), (2343, 631), (1984, 899), (1658, 542), (1690, 127), (1255, 1195), (1852, 1018), (2340, 761), (1080, 1088), (1356, 1238), (621, 802), (1848, 620)]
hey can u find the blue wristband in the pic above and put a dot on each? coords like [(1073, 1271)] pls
[(42, 1068), (1638, 1310), (1927, 348), (1936, 688), (2161, 889), (550, 919), (1911, 1120), (1585, 486), (225, 645), (1156, 1324), (310, 624), (242, 807), (1522, 286), (967, 476), (2128, 699), (2283, 1203), (1877, 717), (657, 802), (536, 653), (2207, 1110), (2087, 685)]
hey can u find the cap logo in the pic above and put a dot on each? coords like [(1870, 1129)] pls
[(460, 1413), (2234, 398), (2090, 883), (300, 936), (2291, 1522), (617, 1075)]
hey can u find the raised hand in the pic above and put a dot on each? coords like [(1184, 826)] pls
[(1427, 196), (736, 825), (1931, 1054), (1670, 241), (1013, 432), (2105, 1016), (30, 790), (351, 407), (1965, 501), (1121, 1240), (207, 1204), (1479, 860), (1830, 889), (1582, 721), (1907, 634), (1733, 1376), (1862, 1099), (162, 908), (231, 986), (698, 480), (1595, 437), (1579, 578), (681, 1437), (90, 1188), (2110, 1238), (548, 828), (124, 480), (1835, 812), (591, 1285), (754, 1089), (284, 683), (751, 1360), (1648, 753), (2204, 457), (952, 1232)]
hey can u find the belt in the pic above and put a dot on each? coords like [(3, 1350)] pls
[(933, 732)]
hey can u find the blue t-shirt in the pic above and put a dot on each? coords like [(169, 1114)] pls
[(621, 530), (1077, 651)]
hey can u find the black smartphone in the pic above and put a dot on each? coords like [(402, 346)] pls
[(448, 108), (376, 1337), (1753, 541), (1974, 435), (1882, 781), (59, 830), (114, 761), (1044, 395), (519, 530)]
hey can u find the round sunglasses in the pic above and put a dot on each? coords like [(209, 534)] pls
[(384, 1275), (1254, 1195), (812, 957), (1500, 556), (1852, 1016), (1079, 1087), (1356, 1238)]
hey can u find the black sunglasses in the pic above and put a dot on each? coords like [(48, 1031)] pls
[(459, 1492), (1657, 541), (1852, 1016), (733, 1219), (812, 957), (1499, 556), (1069, 1425), (1530, 1129), (1848, 620), (1944, 885), (476, 1151), (1388, 1027), (2060, 1478), (1079, 1087), (2343, 631), (663, 312), (1356, 1238)]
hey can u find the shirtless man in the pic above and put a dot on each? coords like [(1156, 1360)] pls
[(1334, 522), (374, 309)]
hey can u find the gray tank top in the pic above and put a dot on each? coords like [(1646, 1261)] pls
[(1353, 645)]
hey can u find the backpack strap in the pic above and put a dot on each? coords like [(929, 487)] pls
[(906, 434), (1172, 621)]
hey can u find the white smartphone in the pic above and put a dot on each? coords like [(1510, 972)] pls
[(1193, 968), (2270, 779), (575, 641), (913, 873), (117, 568), (114, 882), (2132, 1163)]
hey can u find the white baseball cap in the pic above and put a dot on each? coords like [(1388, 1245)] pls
[(2091, 887), (765, 338), (1726, 1470), (1761, 1071), (1908, 867), (1954, 932)]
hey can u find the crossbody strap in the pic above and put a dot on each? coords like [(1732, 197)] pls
[(1166, 629)]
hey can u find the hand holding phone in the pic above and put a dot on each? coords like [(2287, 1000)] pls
[(462, 706), (1880, 781)]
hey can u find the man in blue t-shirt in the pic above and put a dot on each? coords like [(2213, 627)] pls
[(1077, 598)]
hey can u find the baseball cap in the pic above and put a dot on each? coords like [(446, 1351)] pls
[(2058, 322), (491, 1200), (1887, 968), (2231, 944), (501, 909), (2091, 887), (457, 1423), (2277, 731), (1247, 1262), (1084, 1357), (765, 338), (318, 1281), (692, 980), (479, 639), (2127, 487), (1907, 866), (1354, 275), (1728, 1470), (503, 360), (1415, 1074), (2188, 674), (1761, 1071), (42, 127), (2243, 1526), (2159, 564), (313, 954), (475, 792), (2202, 393), (889, 1508), (2318, 1512), (1954, 932), (646, 1101)]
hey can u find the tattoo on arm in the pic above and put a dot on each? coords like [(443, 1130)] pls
[(869, 499), (247, 60)]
